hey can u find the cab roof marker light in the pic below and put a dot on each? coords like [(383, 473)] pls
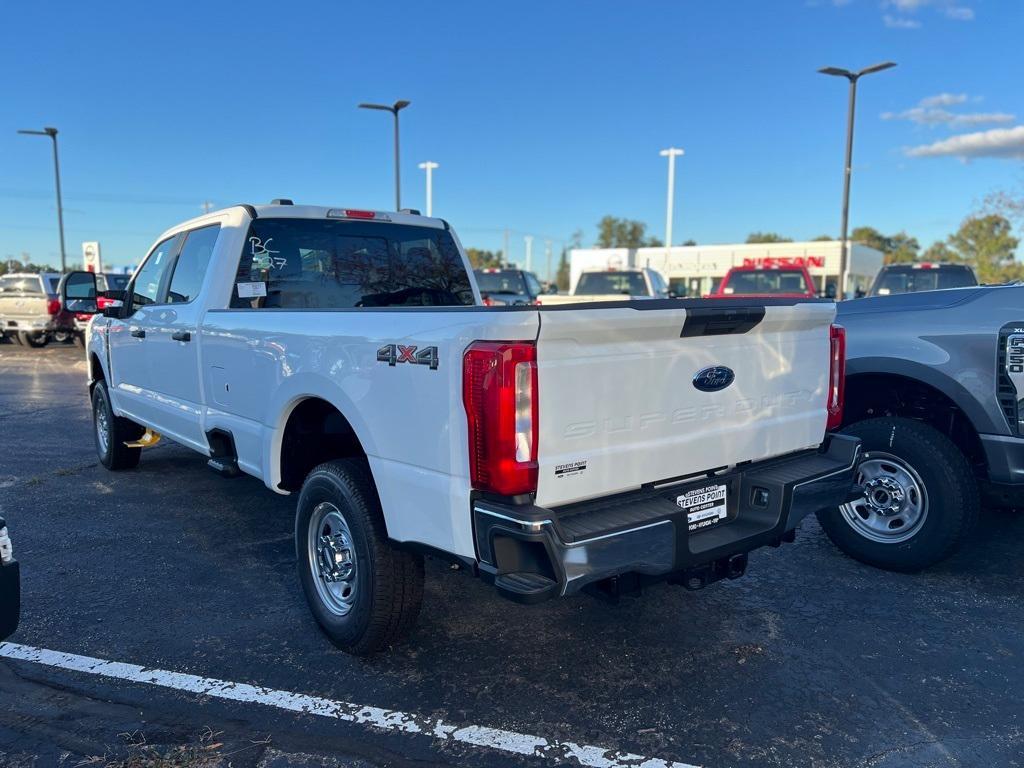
[(353, 213)]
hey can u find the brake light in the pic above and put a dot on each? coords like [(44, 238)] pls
[(53, 307), (354, 213), (836, 377), (499, 391), (487, 300)]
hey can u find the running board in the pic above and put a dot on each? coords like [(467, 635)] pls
[(148, 440), (224, 466), (223, 456)]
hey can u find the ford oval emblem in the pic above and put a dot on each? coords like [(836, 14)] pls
[(714, 378)]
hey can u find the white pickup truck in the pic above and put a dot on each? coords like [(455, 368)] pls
[(612, 285), (342, 355)]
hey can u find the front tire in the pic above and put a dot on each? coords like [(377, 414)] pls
[(364, 593), (920, 497), (111, 432)]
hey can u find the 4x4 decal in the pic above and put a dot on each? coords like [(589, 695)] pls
[(392, 354)]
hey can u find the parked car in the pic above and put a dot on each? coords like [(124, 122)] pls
[(10, 585), (343, 356), (499, 287), (30, 308), (613, 285), (780, 282), (921, 276), (935, 392)]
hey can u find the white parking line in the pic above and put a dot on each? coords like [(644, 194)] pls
[(385, 719)]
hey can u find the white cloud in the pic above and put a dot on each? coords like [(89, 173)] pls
[(943, 100), (951, 9), (1006, 143), (898, 22), (930, 111), (960, 12), (932, 116)]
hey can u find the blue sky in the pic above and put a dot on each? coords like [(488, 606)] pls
[(543, 116)]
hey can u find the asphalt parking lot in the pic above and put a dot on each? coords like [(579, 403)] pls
[(809, 660)]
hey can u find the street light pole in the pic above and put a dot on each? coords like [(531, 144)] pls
[(52, 133), (429, 167), (394, 109), (852, 77), (671, 153)]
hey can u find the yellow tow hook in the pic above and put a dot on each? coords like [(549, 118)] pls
[(148, 440)]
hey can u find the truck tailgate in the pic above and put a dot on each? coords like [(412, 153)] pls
[(618, 407)]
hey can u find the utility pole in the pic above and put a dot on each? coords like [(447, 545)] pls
[(547, 254), (853, 77), (52, 133), (671, 153), (504, 254), (207, 206), (529, 251), (429, 167)]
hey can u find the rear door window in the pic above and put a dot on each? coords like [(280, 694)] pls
[(343, 264), (190, 268)]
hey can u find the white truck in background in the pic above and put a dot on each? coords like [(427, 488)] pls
[(612, 285), (342, 355)]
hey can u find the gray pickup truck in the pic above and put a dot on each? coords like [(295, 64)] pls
[(935, 391)]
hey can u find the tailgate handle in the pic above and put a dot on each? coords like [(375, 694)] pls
[(139, 333), (717, 321)]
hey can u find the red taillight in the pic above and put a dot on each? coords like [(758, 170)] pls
[(353, 214), (487, 300), (836, 376), (102, 302), (53, 307), (499, 390)]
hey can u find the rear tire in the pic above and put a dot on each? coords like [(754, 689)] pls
[(921, 497), (62, 337), (364, 593), (35, 340), (111, 432)]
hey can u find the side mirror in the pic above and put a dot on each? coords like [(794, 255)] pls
[(553, 289), (78, 292)]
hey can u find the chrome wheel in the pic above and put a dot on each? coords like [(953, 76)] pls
[(332, 559), (103, 429), (894, 504)]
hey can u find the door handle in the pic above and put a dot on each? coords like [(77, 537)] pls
[(181, 336), (138, 333)]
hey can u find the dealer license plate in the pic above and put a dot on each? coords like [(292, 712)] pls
[(705, 507)]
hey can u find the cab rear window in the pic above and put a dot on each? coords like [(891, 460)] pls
[(28, 284), (314, 264), (766, 281)]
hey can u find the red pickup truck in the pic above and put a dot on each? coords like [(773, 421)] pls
[(777, 282)]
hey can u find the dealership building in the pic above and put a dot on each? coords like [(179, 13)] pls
[(696, 270)]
